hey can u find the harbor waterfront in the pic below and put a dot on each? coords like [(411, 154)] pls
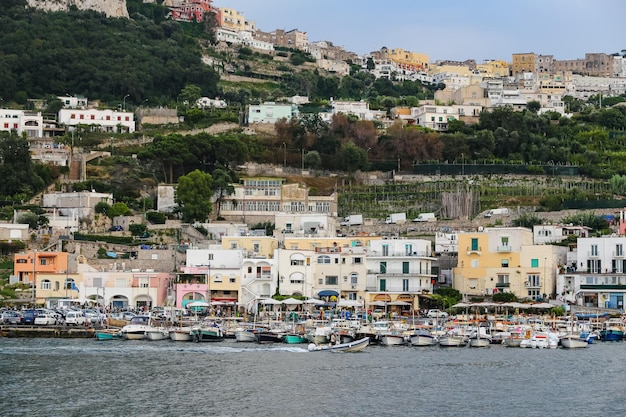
[(84, 377)]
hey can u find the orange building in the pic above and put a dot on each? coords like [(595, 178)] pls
[(44, 263)]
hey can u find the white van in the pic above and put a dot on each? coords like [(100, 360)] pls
[(77, 318)]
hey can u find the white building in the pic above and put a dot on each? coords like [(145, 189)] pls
[(399, 267), (360, 109), (30, 123), (74, 102), (595, 275), (99, 120), (242, 37), (446, 242), (271, 112), (77, 204), (437, 117), (549, 233)]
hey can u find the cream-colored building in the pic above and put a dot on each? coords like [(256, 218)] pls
[(493, 68), (261, 198), (506, 260)]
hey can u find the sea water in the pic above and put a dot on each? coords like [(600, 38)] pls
[(84, 377)]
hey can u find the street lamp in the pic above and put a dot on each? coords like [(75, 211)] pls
[(34, 283), (462, 163), (124, 102)]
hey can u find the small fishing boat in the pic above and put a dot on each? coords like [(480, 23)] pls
[(108, 334), (157, 333), (355, 346), (294, 338), (573, 342), (181, 334)]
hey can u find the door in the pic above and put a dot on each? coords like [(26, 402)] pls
[(382, 284)]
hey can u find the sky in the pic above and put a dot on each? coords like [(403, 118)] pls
[(450, 30)]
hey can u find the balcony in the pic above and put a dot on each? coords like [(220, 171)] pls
[(503, 285), (618, 254), (504, 248), (529, 284), (476, 250)]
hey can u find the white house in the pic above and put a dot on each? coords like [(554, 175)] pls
[(437, 117), (74, 102), (99, 120), (28, 122), (596, 276), (271, 112), (553, 233), (360, 109), (80, 204)]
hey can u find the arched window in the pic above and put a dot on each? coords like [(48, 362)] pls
[(323, 259), (45, 284)]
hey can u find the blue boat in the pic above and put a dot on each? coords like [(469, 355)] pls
[(612, 332), (108, 334)]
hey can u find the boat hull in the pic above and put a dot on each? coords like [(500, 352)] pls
[(574, 343), (135, 335), (294, 339), (479, 343), (108, 335), (207, 335), (391, 340), (611, 335), (180, 335), (268, 337), (451, 341), (355, 346), (423, 340), (156, 335), (245, 336)]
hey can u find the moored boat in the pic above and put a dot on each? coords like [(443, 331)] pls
[(181, 334), (108, 334), (136, 328), (354, 346), (157, 333), (573, 342), (452, 341), (423, 337), (212, 333), (392, 340), (293, 338)]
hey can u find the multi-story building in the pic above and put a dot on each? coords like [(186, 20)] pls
[(22, 122), (35, 268), (398, 271), (99, 120), (194, 10), (554, 233), (287, 39), (127, 289), (360, 109), (594, 64), (506, 260), (412, 61), (259, 199), (74, 102), (437, 117), (235, 20), (242, 37), (523, 62), (595, 274), (493, 68), (76, 204)]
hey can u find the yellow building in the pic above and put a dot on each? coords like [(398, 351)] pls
[(493, 68), (252, 246), (524, 62), (235, 20), (407, 60), (506, 260)]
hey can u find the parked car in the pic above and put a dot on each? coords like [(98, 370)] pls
[(45, 319), (11, 317), (75, 318), (117, 228), (436, 313), (28, 317)]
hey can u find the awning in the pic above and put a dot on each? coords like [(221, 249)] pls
[(328, 293), (382, 297)]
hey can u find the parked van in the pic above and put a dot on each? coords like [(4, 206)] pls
[(76, 318)]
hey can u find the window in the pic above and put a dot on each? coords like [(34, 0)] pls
[(332, 280), (505, 241), (297, 262), (474, 243), (503, 278), (408, 249), (232, 280), (383, 268), (358, 261), (504, 263), (534, 280), (405, 285), (354, 278), (594, 250), (472, 283), (382, 285), (534, 263), (405, 267), (46, 285), (385, 250), (619, 250), (323, 259)]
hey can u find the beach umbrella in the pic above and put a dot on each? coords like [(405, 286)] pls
[(378, 303), (314, 301), (398, 303), (462, 305)]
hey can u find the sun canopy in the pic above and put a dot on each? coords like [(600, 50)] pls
[(197, 304), (328, 293), (349, 303), (378, 303), (313, 301), (291, 301), (398, 303), (269, 301)]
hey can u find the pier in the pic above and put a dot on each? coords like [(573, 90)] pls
[(47, 331)]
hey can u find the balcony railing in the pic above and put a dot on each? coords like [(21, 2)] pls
[(529, 284), (504, 248), (471, 250), (503, 285)]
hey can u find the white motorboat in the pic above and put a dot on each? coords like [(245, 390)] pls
[(245, 335), (573, 342), (181, 334), (136, 328), (479, 342), (450, 340), (157, 333), (423, 338), (541, 340), (392, 339), (354, 346)]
